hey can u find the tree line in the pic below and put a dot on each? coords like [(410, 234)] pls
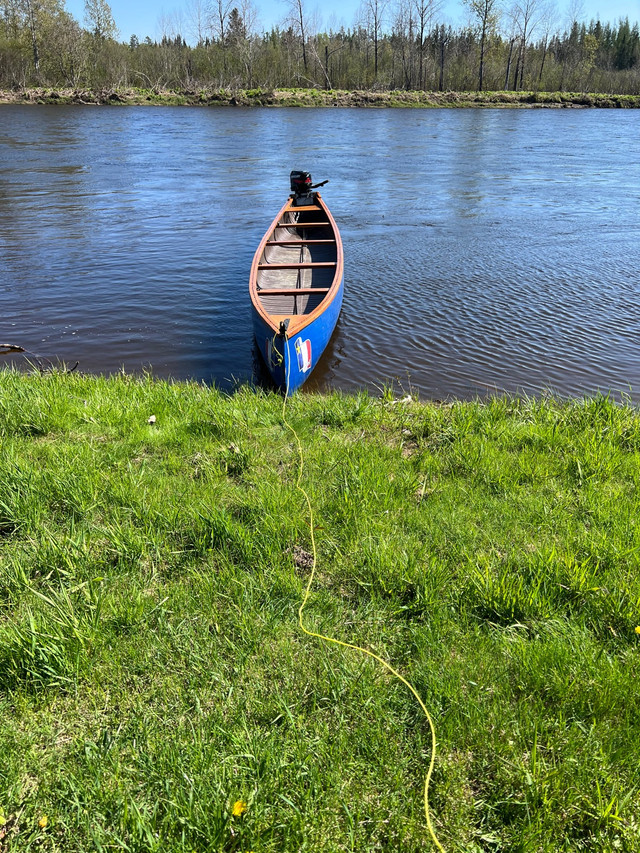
[(393, 44)]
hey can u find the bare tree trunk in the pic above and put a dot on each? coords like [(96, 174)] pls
[(506, 76), (523, 52), (409, 84), (482, 45), (220, 28), (544, 56), (517, 72), (375, 54), (33, 30), (303, 34)]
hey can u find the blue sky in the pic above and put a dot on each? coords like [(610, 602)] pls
[(146, 17)]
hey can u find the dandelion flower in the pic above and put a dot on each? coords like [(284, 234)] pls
[(239, 808), (43, 823), (637, 629)]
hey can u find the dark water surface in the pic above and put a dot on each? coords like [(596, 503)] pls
[(484, 249)]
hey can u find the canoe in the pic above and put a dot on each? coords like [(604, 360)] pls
[(296, 286)]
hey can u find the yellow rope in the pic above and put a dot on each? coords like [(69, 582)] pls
[(345, 645)]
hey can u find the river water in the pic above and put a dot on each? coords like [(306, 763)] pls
[(485, 250)]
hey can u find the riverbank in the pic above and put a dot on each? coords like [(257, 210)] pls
[(316, 98), (156, 692)]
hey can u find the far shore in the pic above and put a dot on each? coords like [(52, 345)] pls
[(314, 98)]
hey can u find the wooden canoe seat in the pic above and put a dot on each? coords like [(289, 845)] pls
[(300, 266), (302, 225), (297, 242), (292, 291)]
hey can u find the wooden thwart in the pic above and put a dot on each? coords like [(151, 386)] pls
[(297, 242), (300, 266), (292, 291), (302, 224)]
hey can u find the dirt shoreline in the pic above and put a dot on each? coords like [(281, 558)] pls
[(315, 98)]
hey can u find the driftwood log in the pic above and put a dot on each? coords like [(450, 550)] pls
[(44, 365)]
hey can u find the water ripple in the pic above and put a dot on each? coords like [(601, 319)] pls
[(484, 249)]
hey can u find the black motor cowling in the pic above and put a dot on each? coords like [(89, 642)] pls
[(300, 182)]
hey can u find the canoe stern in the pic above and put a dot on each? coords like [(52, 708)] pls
[(290, 360)]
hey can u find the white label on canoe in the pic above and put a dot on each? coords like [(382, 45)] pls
[(303, 351)]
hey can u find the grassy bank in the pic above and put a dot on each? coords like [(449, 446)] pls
[(316, 98), (152, 674)]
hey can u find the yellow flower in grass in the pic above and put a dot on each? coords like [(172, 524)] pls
[(43, 823), (637, 629), (239, 808)]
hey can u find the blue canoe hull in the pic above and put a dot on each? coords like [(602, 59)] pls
[(296, 287), (291, 361)]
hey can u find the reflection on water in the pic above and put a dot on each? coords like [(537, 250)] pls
[(484, 249)]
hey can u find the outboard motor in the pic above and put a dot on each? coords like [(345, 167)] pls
[(300, 182), (301, 186)]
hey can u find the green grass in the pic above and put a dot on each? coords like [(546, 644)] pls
[(152, 672)]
